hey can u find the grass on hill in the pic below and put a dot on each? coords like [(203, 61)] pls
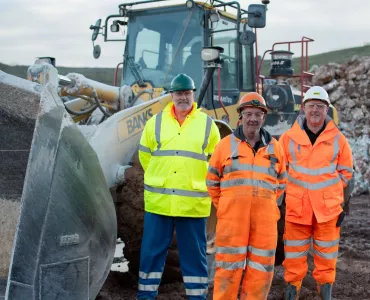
[(106, 75)]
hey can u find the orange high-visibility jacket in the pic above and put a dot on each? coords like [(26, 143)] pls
[(236, 171), (317, 173)]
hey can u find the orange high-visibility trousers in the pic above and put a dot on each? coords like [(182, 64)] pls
[(247, 241), (297, 242)]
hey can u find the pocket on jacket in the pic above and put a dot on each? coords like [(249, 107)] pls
[(333, 200), (155, 181), (270, 179), (294, 202), (199, 185), (225, 204), (273, 163)]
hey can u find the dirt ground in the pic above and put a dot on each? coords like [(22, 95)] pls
[(353, 268)]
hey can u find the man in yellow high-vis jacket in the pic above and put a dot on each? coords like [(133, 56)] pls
[(173, 152)]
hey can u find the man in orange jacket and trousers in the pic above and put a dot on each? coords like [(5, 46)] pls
[(319, 167), (246, 178)]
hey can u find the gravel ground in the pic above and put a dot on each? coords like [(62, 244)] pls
[(353, 268)]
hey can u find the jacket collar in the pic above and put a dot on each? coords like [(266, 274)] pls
[(299, 135), (266, 137), (194, 110)]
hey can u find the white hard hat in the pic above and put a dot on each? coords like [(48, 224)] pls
[(316, 93)]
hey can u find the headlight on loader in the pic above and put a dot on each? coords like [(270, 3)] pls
[(211, 54)]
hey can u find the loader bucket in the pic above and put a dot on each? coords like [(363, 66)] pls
[(58, 222)]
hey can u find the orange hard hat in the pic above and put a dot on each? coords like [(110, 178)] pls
[(252, 100)]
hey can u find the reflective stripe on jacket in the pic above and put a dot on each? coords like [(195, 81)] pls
[(317, 173), (174, 159), (235, 170)]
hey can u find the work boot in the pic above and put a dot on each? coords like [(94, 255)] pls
[(325, 291), (291, 292)]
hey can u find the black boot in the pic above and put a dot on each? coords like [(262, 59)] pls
[(325, 291), (291, 292)]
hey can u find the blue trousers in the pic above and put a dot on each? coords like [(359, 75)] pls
[(192, 244)]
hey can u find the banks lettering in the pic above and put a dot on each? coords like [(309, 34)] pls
[(138, 121)]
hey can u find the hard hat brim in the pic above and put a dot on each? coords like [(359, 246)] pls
[(179, 90), (244, 105), (321, 100)]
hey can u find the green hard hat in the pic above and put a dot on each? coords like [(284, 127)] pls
[(182, 82)]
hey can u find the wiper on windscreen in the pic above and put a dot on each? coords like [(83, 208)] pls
[(135, 70)]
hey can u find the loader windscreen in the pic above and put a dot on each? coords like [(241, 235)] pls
[(162, 43)]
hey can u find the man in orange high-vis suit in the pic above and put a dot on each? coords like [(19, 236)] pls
[(319, 167), (246, 179)]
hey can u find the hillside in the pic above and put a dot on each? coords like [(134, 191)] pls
[(106, 75)]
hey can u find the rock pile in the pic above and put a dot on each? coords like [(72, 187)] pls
[(348, 85)]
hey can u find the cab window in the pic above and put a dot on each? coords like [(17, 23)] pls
[(225, 36)]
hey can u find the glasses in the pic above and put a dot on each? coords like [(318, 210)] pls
[(312, 106), (258, 115), (183, 93)]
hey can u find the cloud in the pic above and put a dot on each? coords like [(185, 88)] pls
[(61, 28), (333, 24), (50, 28)]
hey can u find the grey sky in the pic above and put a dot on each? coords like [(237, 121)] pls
[(61, 28)]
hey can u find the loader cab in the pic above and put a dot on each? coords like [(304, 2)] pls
[(161, 43)]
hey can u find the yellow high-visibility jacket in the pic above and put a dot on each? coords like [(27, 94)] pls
[(175, 161)]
